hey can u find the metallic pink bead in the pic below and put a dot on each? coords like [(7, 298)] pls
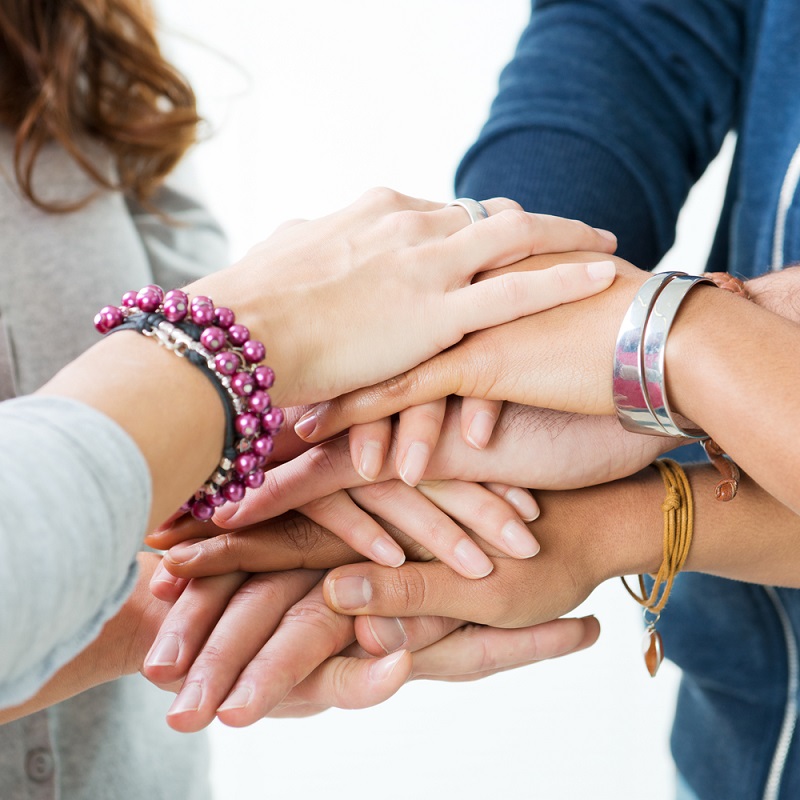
[(247, 425), (149, 298), (243, 384), (176, 305), (272, 420), (260, 402), (263, 446), (201, 299), (233, 491), (202, 313), (238, 334), (175, 310), (262, 461), (227, 363), (107, 318), (245, 462), (254, 479), (213, 339), (253, 351), (264, 376), (224, 317), (202, 511), (216, 499), (129, 300)]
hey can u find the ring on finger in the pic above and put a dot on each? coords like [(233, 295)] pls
[(476, 210)]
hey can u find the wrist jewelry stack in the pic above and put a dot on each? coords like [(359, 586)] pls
[(678, 511), (639, 377), (212, 340)]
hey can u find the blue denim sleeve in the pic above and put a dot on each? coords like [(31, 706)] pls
[(610, 110)]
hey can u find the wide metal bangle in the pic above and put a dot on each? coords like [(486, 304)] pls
[(654, 343), (630, 395)]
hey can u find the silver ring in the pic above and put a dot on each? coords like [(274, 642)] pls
[(475, 209)]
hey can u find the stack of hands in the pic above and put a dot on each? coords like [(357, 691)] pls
[(392, 539)]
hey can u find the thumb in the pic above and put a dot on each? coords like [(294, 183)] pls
[(414, 589)]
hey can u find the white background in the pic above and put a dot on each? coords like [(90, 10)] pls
[(311, 102)]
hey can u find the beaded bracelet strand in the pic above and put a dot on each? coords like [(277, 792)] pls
[(222, 349)]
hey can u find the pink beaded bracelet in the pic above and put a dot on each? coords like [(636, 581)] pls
[(212, 340)]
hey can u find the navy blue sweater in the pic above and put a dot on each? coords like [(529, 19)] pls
[(609, 112)]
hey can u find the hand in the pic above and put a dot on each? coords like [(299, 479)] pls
[(302, 659), (424, 514), (362, 294), (578, 553), (531, 447), (561, 359)]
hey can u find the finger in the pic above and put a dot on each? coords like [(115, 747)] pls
[(478, 418), (187, 625), (417, 590), (453, 218), (182, 529), (250, 619), (381, 635), (308, 633), (418, 518), (474, 652), (418, 432), (521, 499), (484, 513), (369, 444), (340, 515), (512, 234), (318, 472), (290, 542), (341, 682), (165, 586), (518, 294)]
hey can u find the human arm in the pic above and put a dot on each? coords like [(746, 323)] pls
[(715, 374), (610, 110)]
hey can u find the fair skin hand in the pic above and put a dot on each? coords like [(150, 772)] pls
[(353, 298), (531, 446), (299, 681), (563, 361), (303, 657)]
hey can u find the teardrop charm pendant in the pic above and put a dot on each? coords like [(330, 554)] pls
[(653, 650)]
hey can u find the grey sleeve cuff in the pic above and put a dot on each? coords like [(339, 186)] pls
[(75, 497)]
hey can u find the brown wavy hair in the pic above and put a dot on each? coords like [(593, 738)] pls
[(79, 70)]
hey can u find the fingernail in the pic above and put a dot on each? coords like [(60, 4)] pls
[(414, 463), (184, 553), (606, 234), (164, 652), (473, 559), (387, 552), (381, 670), (389, 632), (519, 539), (225, 513), (369, 466), (601, 270), (350, 593), (162, 575), (238, 698), (188, 700), (480, 430), (523, 503), (305, 426)]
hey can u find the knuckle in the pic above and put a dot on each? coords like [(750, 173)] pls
[(406, 589), (300, 533), (382, 197), (405, 224), (505, 204), (511, 289), (517, 221)]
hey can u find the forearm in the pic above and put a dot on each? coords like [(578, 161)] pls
[(740, 388), (752, 538)]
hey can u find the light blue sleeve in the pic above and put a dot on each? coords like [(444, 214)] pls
[(75, 497)]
